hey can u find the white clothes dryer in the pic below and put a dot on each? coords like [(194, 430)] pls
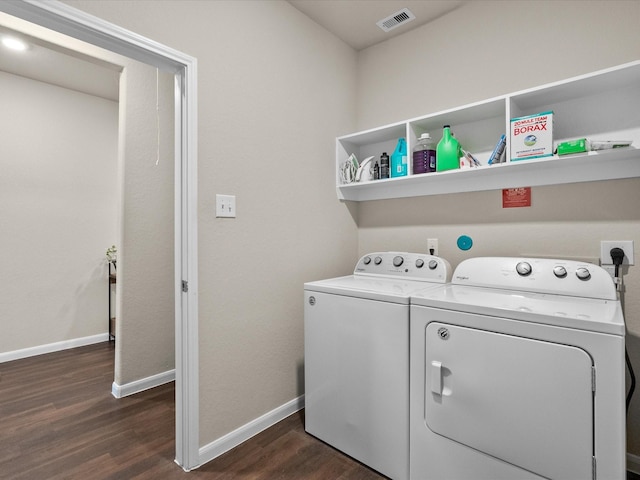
[(356, 334), (517, 372)]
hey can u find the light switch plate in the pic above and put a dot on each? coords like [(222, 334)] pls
[(226, 206)]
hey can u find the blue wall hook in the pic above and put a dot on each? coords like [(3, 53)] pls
[(464, 242)]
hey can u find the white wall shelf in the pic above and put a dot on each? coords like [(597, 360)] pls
[(614, 164), (604, 105)]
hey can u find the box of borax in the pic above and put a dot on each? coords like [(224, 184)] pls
[(532, 136)]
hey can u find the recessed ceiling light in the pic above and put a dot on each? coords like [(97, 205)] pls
[(14, 43)]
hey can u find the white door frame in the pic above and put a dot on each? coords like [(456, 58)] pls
[(62, 18)]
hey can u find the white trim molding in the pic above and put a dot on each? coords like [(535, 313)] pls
[(137, 386), (633, 463), (244, 433), (53, 347)]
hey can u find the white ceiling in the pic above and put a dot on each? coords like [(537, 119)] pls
[(48, 62), (354, 21)]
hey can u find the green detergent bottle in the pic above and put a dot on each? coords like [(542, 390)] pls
[(399, 159), (447, 152)]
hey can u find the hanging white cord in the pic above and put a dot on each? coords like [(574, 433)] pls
[(158, 115)]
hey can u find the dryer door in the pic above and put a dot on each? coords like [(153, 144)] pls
[(526, 402)]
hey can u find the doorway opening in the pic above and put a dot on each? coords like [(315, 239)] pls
[(61, 18)]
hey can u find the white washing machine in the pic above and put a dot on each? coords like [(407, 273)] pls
[(357, 357), (517, 372)]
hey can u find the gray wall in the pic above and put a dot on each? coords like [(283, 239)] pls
[(146, 325), (58, 211)]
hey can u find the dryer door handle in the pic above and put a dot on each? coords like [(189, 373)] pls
[(436, 377)]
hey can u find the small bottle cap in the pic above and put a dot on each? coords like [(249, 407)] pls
[(447, 126)]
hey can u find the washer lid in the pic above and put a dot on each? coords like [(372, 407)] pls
[(394, 290), (591, 314)]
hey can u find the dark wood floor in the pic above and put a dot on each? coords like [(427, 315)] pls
[(58, 420)]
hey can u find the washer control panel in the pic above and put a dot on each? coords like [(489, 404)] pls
[(414, 266), (539, 275)]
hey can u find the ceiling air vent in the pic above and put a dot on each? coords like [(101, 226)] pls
[(396, 19)]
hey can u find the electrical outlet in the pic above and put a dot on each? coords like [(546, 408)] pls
[(607, 245), (226, 206), (432, 246)]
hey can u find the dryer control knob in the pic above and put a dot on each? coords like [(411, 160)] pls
[(433, 264), (583, 273), (377, 260), (523, 269), (419, 263), (397, 261), (367, 260), (559, 271)]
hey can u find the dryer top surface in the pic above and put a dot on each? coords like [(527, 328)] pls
[(597, 315)]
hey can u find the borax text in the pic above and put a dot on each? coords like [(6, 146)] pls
[(521, 127)]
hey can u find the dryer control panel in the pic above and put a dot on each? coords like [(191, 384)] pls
[(410, 266), (538, 275)]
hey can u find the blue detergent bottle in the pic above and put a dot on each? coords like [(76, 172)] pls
[(399, 159)]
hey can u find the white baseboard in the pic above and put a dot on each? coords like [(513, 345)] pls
[(633, 463), (244, 433), (143, 384), (52, 347)]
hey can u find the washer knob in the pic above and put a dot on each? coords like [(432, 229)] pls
[(433, 264), (367, 260), (419, 263), (397, 261), (523, 269), (559, 271), (583, 273), (377, 260)]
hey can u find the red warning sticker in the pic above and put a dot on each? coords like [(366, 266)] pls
[(516, 197)]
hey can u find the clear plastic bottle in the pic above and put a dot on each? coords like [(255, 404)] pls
[(424, 155), (447, 151)]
